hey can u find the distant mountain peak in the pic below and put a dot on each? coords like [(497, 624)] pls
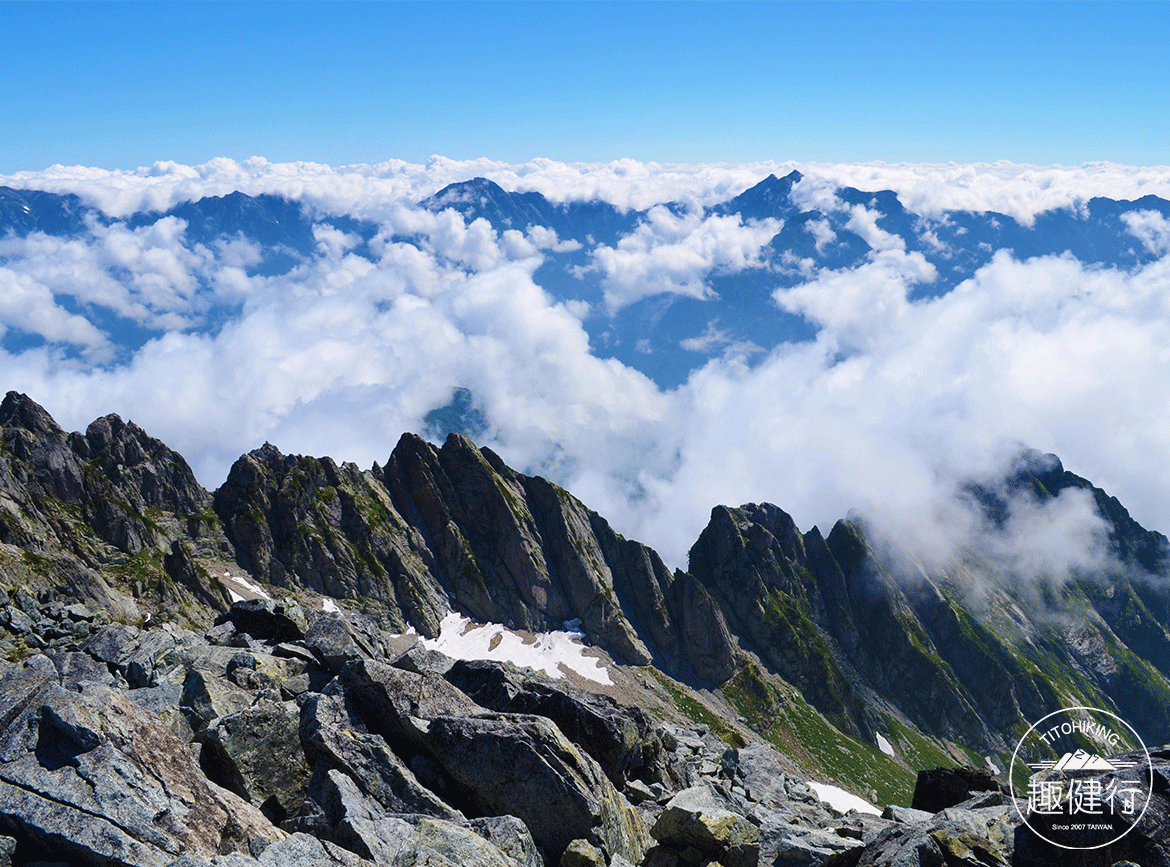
[(770, 198)]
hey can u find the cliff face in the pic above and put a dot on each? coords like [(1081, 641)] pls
[(437, 528)]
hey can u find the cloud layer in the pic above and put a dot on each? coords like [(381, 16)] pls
[(1020, 191), (892, 404)]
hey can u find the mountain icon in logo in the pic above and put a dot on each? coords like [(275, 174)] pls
[(1082, 761)]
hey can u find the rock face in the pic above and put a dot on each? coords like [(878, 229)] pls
[(852, 629), (455, 525), (304, 521), (77, 510)]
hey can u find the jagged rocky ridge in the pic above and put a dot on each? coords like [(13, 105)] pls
[(326, 726)]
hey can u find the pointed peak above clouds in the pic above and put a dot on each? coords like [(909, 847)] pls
[(771, 197)]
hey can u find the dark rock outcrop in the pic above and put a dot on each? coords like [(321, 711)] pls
[(939, 788), (622, 740)]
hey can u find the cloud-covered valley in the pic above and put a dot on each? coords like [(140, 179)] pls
[(880, 388)]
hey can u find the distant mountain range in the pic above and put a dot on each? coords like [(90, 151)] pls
[(665, 335)]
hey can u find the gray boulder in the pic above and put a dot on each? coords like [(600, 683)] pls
[(902, 846), (796, 846), (622, 739), (523, 766), (335, 641), (257, 754), (335, 737), (398, 703), (696, 818), (512, 837), (89, 776), (435, 843), (358, 824)]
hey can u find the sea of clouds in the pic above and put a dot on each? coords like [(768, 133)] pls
[(894, 404)]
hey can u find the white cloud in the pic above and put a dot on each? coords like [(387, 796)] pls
[(863, 222), (544, 238), (674, 253), (147, 275), (1151, 228), (29, 306), (715, 338), (822, 233)]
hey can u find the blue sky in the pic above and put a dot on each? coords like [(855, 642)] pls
[(120, 86)]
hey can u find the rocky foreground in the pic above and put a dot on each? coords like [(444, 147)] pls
[(284, 737)]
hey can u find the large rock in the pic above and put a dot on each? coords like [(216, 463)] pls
[(357, 823), (335, 737), (207, 696), (902, 846), (939, 788), (782, 843), (436, 843), (757, 768), (90, 776), (337, 638), (512, 837), (139, 656), (257, 754), (267, 619), (523, 766), (397, 703), (696, 818), (985, 835), (621, 738)]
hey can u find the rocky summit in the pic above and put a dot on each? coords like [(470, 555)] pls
[(281, 672)]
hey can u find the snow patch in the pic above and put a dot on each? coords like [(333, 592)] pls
[(885, 746), (243, 582), (992, 765), (843, 801), (549, 652), (329, 605)]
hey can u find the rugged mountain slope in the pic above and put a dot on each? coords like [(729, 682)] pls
[(860, 665), (109, 508), (454, 525), (862, 634), (584, 222), (114, 513)]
